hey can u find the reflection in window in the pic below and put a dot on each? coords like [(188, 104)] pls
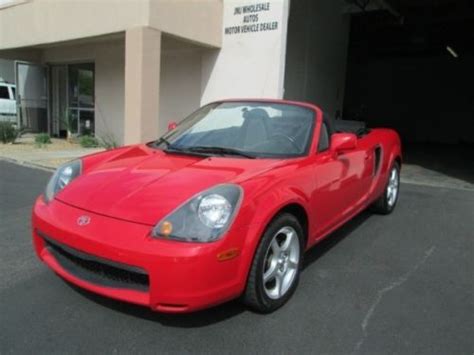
[(81, 85), (81, 98)]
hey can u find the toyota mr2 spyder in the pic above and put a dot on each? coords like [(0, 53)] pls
[(222, 206)]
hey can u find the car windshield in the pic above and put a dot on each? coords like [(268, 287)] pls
[(245, 129)]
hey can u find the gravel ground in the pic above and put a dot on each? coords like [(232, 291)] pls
[(27, 144), (25, 151)]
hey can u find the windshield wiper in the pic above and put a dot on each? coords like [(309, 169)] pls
[(183, 150), (162, 140), (219, 150), (170, 148)]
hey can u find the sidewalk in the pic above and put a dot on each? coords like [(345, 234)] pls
[(418, 175), (49, 156)]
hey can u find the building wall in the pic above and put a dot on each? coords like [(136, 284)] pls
[(109, 59), (52, 21), (49, 21), (251, 61), (180, 84), (193, 71), (110, 92), (180, 79), (199, 21), (316, 53)]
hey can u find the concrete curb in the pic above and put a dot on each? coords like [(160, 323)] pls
[(434, 184), (28, 164)]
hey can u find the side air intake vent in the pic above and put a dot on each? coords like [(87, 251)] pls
[(377, 159)]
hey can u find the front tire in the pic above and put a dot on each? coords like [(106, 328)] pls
[(387, 202), (275, 270)]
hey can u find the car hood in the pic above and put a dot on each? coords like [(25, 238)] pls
[(143, 185)]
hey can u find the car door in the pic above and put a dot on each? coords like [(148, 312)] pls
[(339, 184)]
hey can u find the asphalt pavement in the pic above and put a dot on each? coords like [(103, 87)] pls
[(397, 284)]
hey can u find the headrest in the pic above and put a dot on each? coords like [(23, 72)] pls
[(256, 113)]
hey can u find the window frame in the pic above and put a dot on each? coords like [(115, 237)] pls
[(326, 128), (12, 92)]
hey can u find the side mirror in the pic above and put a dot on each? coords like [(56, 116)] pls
[(172, 125), (341, 142)]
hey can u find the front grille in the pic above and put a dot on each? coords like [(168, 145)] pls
[(97, 270)]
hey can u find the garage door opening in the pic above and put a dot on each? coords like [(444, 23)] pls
[(403, 64)]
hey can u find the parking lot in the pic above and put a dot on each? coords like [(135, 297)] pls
[(398, 284)]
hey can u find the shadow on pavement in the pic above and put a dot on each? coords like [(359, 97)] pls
[(192, 320), (334, 238)]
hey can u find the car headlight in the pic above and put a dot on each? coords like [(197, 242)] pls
[(61, 178), (203, 218)]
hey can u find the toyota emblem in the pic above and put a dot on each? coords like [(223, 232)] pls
[(83, 220)]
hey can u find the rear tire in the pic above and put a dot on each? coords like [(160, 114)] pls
[(275, 269), (387, 202)]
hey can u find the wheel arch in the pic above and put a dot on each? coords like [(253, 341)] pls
[(395, 149), (398, 160), (301, 215), (277, 199), (293, 207)]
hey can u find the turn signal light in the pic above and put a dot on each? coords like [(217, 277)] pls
[(166, 228), (228, 254)]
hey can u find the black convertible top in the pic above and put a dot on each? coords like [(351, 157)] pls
[(359, 128), (345, 126)]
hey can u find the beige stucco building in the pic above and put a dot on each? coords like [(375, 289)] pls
[(123, 47), (122, 69)]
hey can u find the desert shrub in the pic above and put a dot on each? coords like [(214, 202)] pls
[(42, 139), (8, 132), (108, 142), (88, 141)]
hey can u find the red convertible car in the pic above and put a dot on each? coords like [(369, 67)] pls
[(224, 205)]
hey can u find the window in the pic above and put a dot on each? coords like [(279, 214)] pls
[(4, 92), (13, 92), (323, 143), (81, 98)]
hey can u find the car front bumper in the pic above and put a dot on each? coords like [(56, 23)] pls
[(119, 259)]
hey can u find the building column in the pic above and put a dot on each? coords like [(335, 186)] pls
[(142, 84)]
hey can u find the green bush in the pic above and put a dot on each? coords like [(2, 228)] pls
[(88, 141), (8, 132), (42, 139)]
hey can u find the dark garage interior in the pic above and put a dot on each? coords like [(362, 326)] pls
[(409, 66)]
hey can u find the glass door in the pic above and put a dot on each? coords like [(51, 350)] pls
[(81, 98), (32, 96)]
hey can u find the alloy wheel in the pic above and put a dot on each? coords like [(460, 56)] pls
[(392, 187), (281, 263)]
